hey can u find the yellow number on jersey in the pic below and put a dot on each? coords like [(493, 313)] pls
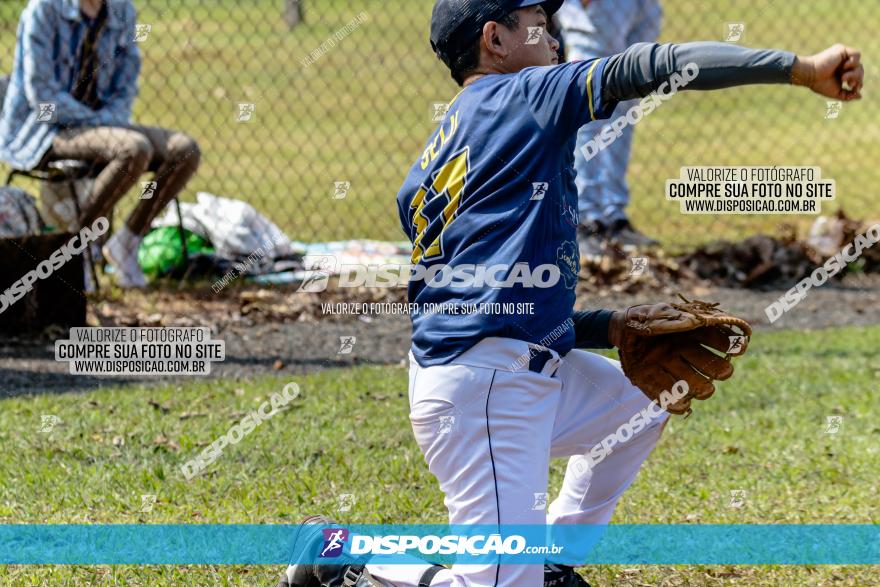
[(448, 183)]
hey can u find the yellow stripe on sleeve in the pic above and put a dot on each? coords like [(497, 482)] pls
[(590, 89)]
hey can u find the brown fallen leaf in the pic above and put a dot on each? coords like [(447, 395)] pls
[(154, 319), (164, 442), (260, 294)]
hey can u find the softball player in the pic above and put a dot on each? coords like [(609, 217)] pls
[(491, 201)]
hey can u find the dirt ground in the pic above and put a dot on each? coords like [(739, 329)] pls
[(280, 331)]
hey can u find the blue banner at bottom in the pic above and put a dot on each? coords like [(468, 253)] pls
[(402, 544)]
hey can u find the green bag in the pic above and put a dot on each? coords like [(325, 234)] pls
[(161, 253)]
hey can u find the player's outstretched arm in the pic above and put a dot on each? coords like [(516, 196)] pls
[(645, 67)]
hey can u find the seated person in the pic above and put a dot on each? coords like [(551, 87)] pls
[(70, 96)]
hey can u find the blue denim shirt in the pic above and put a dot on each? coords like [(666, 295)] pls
[(45, 71)]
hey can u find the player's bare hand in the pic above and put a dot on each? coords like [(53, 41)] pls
[(836, 72)]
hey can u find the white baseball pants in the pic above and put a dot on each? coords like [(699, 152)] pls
[(488, 428)]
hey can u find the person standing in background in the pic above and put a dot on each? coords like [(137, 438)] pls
[(591, 29)]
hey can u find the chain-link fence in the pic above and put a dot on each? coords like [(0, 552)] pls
[(313, 110)]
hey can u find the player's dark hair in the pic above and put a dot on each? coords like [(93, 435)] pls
[(469, 60)]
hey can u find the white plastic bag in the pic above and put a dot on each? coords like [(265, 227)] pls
[(234, 228)]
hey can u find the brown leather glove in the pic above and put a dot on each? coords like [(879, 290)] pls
[(663, 344)]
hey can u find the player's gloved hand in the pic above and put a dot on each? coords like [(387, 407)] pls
[(663, 344), (836, 73)]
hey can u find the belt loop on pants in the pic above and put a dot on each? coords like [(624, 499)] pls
[(543, 362)]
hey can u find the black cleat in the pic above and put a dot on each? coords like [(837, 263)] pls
[(592, 240), (627, 237), (303, 573), (562, 576)]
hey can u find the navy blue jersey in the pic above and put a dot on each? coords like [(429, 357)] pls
[(494, 188), (494, 191)]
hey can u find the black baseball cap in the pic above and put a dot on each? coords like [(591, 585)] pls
[(457, 24)]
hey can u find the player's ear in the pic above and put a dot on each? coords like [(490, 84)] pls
[(493, 40)]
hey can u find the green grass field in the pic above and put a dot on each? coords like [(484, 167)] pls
[(349, 433), (361, 113)]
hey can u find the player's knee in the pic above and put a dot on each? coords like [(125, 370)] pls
[(136, 151), (183, 150)]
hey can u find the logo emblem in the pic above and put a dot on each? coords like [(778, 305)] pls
[(48, 422), (737, 498), (833, 424), (46, 112), (141, 32), (535, 34), (148, 189), (246, 112), (438, 111), (317, 275), (446, 424), (568, 261), (340, 189), (346, 502), (334, 541), (639, 266), (539, 190), (832, 109), (147, 503), (346, 345), (736, 344), (540, 502), (735, 32)]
